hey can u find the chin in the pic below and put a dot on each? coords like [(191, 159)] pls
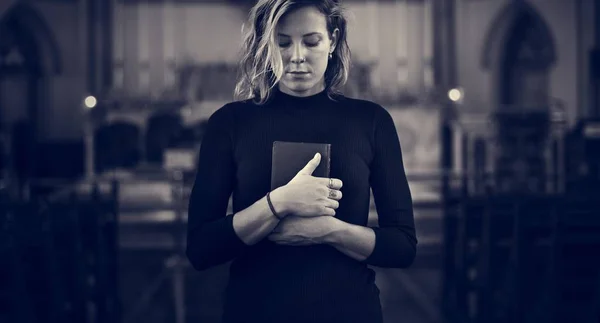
[(300, 87)]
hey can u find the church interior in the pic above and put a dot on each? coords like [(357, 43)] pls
[(103, 105)]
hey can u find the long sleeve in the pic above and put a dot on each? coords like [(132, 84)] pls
[(395, 238), (211, 239)]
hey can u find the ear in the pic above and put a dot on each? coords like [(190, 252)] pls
[(335, 35)]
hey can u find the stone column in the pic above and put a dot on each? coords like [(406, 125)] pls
[(595, 65), (444, 75)]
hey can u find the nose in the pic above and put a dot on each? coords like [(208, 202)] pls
[(298, 54)]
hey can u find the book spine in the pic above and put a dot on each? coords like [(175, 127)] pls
[(328, 160)]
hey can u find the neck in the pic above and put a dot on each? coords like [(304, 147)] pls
[(306, 101)]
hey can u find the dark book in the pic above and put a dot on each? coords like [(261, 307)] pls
[(290, 157)]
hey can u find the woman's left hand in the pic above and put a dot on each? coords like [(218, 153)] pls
[(302, 231)]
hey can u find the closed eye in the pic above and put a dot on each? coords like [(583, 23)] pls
[(309, 44), (310, 40)]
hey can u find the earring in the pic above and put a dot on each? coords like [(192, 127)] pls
[(331, 55)]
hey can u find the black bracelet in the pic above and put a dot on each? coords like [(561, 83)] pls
[(272, 208)]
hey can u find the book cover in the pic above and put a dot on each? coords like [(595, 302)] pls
[(289, 158)]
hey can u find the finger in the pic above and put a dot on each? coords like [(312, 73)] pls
[(331, 182), (327, 211), (311, 166), (332, 204), (334, 194)]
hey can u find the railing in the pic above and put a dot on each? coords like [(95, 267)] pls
[(510, 258), (87, 215), (513, 255), (62, 258), (479, 147)]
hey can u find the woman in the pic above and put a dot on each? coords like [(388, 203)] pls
[(300, 253)]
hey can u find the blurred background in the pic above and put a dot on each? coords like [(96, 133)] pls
[(102, 110)]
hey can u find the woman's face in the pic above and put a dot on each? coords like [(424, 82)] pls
[(304, 44)]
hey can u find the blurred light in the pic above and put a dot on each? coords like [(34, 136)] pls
[(90, 102), (455, 95)]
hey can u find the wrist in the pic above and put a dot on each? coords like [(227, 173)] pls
[(279, 203), (335, 231)]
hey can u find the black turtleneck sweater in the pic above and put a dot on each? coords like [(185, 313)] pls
[(274, 283)]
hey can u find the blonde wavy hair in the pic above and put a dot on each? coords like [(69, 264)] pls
[(261, 65)]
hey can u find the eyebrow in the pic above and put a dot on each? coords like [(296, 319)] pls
[(305, 35)]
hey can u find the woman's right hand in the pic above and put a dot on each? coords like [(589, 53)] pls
[(308, 196)]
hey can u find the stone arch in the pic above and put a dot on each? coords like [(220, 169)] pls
[(505, 34), (502, 27), (29, 57), (38, 34)]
